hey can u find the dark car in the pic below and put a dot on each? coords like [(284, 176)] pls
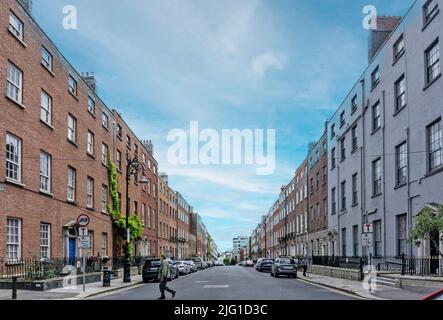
[(265, 265), (150, 269), (284, 266)]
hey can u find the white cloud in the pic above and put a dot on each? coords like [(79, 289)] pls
[(266, 61)]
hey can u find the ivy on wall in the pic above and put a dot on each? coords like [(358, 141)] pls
[(119, 220)]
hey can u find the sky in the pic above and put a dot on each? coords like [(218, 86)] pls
[(251, 64)]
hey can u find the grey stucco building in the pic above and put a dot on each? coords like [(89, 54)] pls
[(385, 141)]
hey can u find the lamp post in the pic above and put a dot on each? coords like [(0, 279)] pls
[(133, 168)]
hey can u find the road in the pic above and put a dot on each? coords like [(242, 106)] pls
[(231, 283)]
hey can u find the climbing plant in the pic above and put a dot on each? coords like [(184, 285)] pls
[(119, 220)]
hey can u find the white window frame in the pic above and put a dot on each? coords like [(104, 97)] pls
[(47, 63), (72, 85), (45, 108), (91, 105), (432, 58), (399, 47), (105, 153), (14, 83), (16, 26), (90, 143), (104, 199), (13, 240), (105, 120), (45, 172), (72, 130), (400, 93), (45, 240), (435, 145), (89, 192), (71, 184), (104, 244), (143, 214), (14, 158)]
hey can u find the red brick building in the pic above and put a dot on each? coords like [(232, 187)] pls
[(167, 218), (57, 136), (317, 197)]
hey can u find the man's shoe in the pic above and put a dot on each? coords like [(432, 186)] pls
[(173, 294), (161, 298)]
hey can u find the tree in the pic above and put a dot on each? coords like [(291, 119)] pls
[(427, 222), (233, 261)]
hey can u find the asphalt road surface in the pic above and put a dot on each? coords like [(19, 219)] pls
[(230, 283)]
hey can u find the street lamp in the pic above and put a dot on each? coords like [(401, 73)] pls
[(133, 168)]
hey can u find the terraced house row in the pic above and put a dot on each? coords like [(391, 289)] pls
[(57, 138), (380, 159)]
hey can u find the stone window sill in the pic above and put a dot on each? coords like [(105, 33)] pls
[(18, 39), (21, 105)]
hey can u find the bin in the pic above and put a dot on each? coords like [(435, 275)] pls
[(107, 274)]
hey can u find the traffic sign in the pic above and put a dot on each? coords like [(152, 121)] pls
[(83, 220), (84, 242), (82, 231), (367, 228), (366, 239)]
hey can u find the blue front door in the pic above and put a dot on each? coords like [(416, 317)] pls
[(72, 251)]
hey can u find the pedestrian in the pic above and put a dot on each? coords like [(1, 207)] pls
[(164, 273), (304, 263)]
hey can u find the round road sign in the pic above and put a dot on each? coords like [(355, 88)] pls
[(83, 220)]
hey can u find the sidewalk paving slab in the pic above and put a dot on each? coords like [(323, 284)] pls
[(71, 292), (379, 292)]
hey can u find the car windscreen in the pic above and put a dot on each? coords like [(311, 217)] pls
[(287, 261), (267, 261), (152, 263)]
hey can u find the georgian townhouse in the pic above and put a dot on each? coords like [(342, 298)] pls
[(385, 140)]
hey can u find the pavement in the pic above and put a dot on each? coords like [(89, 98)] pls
[(226, 283), (72, 292), (378, 292)]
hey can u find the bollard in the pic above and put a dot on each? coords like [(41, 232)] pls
[(14, 288)]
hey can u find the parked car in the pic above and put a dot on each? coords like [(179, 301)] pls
[(150, 269), (266, 265), (183, 267), (204, 264), (192, 265), (257, 264), (435, 296), (198, 262), (249, 263), (174, 269), (284, 266)]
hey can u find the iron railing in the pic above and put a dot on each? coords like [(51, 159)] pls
[(42, 269), (404, 265)]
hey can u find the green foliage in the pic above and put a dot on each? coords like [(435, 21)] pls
[(226, 262), (233, 262), (119, 220), (426, 223)]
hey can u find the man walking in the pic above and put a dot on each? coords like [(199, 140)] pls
[(304, 263), (163, 275)]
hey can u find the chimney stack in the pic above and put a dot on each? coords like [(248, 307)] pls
[(27, 4), (377, 37), (89, 77), (149, 146), (164, 177)]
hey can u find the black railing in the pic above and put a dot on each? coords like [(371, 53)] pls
[(404, 265), (338, 261), (40, 269)]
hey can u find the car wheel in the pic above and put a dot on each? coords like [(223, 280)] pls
[(145, 281)]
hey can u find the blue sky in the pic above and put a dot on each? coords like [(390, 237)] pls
[(258, 64)]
